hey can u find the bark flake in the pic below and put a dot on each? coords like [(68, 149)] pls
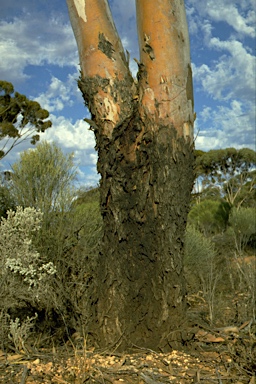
[(105, 46)]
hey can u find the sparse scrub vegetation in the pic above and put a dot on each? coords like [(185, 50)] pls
[(48, 262), (220, 240)]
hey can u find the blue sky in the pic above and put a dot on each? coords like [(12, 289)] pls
[(38, 54)]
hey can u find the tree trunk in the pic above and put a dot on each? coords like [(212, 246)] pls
[(144, 138)]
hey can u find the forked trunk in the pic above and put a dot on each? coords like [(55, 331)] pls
[(143, 133)]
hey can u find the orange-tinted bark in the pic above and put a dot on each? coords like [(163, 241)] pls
[(166, 92), (90, 19), (102, 61)]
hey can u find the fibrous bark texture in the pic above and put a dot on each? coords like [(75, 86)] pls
[(143, 131)]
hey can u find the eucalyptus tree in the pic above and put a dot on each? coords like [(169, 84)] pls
[(144, 137), (229, 171), (20, 119)]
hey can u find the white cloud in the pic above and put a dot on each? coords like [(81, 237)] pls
[(225, 126), (228, 11), (220, 11), (35, 42), (232, 76), (74, 136), (58, 95)]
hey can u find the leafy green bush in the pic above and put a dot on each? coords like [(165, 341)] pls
[(70, 241), (199, 252), (209, 216), (201, 266), (242, 226)]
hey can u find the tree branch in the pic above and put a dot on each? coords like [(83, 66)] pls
[(100, 48), (166, 82), (106, 82)]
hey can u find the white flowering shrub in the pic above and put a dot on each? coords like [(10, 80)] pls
[(19, 261)]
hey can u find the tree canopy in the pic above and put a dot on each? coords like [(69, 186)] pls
[(228, 173), (20, 119)]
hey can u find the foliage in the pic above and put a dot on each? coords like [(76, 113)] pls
[(56, 258), (20, 119), (70, 241), (67, 237), (230, 170), (6, 200), (47, 263), (209, 216), (201, 263), (23, 272), (87, 195), (20, 332), (240, 190), (76, 265), (43, 178), (198, 251), (242, 226)]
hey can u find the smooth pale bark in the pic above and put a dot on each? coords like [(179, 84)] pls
[(143, 131)]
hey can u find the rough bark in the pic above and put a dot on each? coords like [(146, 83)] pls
[(143, 131)]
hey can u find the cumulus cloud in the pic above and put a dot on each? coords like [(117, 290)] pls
[(71, 135), (36, 42), (232, 76), (58, 95), (219, 11), (225, 126), (228, 11), (77, 138)]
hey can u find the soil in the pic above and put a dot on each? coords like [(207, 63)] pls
[(215, 354), (224, 356)]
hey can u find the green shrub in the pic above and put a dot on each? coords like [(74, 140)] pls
[(199, 251), (201, 266), (209, 216), (242, 227)]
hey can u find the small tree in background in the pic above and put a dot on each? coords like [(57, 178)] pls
[(20, 119), (43, 178), (229, 170)]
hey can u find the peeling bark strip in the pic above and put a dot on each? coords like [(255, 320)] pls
[(144, 138), (105, 46)]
